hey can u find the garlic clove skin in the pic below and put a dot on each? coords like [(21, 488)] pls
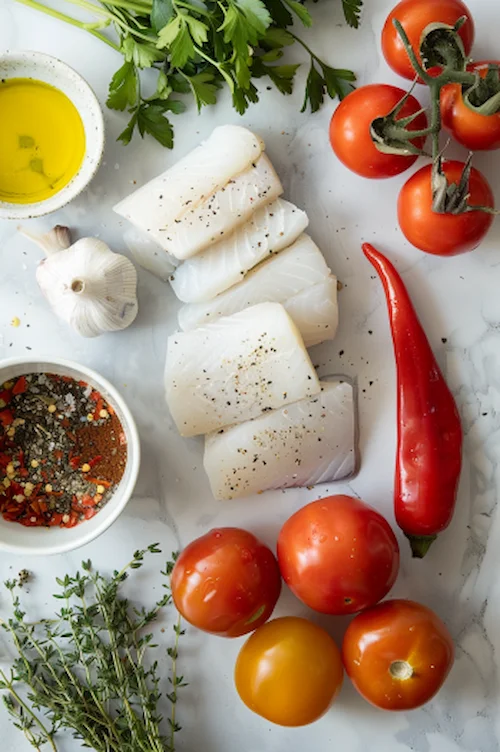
[(89, 286), (57, 239)]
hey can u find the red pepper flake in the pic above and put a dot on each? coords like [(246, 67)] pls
[(20, 386), (6, 418), (5, 397), (100, 482)]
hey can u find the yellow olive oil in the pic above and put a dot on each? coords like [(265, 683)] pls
[(42, 140)]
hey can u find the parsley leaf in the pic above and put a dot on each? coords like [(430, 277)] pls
[(179, 83), (243, 97), (245, 23), (204, 87), (182, 47), (300, 11), (271, 56), (278, 38), (256, 14), (161, 13), (279, 13), (339, 82), (197, 29), (180, 36), (151, 119), (332, 81), (315, 89), (169, 32), (282, 76), (142, 54), (126, 135), (163, 87), (352, 11), (124, 88)]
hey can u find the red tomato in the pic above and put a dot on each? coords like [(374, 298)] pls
[(415, 16), (397, 654), (289, 671), (443, 234), (338, 555), (226, 582), (474, 131), (350, 130)]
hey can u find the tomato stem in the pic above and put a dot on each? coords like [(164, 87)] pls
[(441, 46), (435, 119)]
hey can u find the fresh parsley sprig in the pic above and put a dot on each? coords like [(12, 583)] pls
[(352, 12), (89, 669), (198, 47)]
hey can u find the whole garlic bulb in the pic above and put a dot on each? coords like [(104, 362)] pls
[(87, 284)]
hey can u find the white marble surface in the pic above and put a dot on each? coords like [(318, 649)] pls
[(459, 305)]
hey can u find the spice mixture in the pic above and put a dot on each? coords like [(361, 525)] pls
[(62, 450)]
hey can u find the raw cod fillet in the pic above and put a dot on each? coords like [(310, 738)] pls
[(223, 212), (223, 265), (298, 277), (312, 441), (229, 150), (315, 311), (236, 369), (149, 254)]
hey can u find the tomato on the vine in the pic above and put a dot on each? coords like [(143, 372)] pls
[(415, 16), (350, 134), (227, 582), (470, 128), (444, 234), (397, 654), (338, 555), (289, 671)]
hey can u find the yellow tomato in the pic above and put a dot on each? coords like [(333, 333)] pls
[(289, 671)]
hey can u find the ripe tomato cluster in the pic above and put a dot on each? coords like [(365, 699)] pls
[(379, 131), (338, 556)]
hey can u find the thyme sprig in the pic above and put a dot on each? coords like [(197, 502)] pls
[(90, 669)]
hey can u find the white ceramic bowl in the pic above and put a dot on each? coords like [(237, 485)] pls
[(48, 69), (16, 538)]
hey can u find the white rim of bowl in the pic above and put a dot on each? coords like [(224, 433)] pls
[(67, 193), (127, 492)]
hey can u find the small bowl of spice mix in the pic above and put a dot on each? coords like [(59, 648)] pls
[(69, 456)]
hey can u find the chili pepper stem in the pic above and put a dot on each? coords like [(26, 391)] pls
[(420, 544)]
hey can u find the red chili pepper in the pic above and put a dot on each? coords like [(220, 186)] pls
[(429, 453)]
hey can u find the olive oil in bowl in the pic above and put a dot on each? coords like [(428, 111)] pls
[(42, 140)]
